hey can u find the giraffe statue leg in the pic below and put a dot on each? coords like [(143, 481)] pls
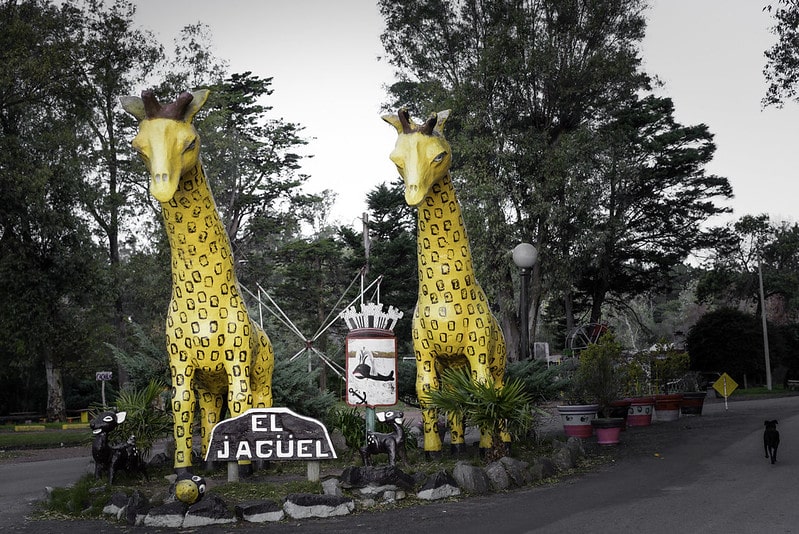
[(183, 406)]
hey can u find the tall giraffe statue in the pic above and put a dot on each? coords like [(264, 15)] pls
[(452, 324), (213, 346)]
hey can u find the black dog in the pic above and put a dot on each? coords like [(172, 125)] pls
[(771, 440)]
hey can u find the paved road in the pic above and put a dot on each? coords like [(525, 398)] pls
[(702, 474)]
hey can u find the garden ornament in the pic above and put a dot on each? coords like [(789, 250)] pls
[(392, 444), (214, 348), (452, 324), (113, 458)]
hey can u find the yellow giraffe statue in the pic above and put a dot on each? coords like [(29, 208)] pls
[(213, 345), (452, 323)]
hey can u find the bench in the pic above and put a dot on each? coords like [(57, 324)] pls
[(792, 384)]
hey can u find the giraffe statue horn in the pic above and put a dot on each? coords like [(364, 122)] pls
[(151, 105), (404, 118), (427, 127), (174, 110)]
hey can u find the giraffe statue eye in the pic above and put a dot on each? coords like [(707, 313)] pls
[(440, 157)]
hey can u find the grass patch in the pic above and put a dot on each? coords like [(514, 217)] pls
[(47, 439)]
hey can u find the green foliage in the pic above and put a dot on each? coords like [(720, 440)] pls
[(542, 382), (669, 366), (147, 418), (600, 372), (351, 424), (145, 362), (728, 341), (497, 410), (297, 389), (86, 498), (406, 382)]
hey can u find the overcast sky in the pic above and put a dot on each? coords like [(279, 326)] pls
[(323, 57)]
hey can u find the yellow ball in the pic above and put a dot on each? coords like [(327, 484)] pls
[(189, 488)]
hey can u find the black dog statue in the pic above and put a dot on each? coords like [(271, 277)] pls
[(771, 440), (113, 458), (392, 444)]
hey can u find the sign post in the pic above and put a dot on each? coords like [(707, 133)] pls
[(725, 385), (103, 377), (269, 434)]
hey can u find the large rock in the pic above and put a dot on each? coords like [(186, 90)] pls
[(167, 515), (211, 510), (541, 469), (360, 477), (116, 505), (497, 476), (304, 505), (137, 508), (439, 486), (517, 470), (562, 458), (260, 511), (471, 479), (575, 446)]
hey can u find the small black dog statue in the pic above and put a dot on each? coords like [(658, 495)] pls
[(113, 458), (392, 444), (771, 439)]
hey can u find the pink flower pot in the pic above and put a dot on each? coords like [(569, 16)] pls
[(577, 419), (640, 412)]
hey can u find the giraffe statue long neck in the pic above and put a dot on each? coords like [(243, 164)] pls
[(191, 217), (441, 232)]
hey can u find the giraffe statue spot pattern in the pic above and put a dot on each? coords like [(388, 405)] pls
[(452, 323), (218, 356)]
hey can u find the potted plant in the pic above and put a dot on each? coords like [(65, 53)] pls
[(693, 397), (599, 374), (638, 386), (669, 365), (577, 412)]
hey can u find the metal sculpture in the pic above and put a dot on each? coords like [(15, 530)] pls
[(114, 458), (214, 347), (392, 444), (452, 324)]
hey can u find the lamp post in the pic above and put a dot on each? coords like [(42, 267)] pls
[(524, 256)]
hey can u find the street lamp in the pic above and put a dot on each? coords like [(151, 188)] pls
[(524, 256)]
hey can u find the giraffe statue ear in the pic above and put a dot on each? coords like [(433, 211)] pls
[(200, 96), (393, 119), (441, 118), (133, 105)]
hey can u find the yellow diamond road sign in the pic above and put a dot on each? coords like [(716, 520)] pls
[(725, 385)]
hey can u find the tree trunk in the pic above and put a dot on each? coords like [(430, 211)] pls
[(56, 409)]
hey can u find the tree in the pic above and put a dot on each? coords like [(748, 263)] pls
[(392, 254), (750, 243), (50, 275), (727, 340), (782, 59), (652, 196), (114, 56), (526, 81)]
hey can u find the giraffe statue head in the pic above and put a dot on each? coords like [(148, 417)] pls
[(421, 154), (167, 140)]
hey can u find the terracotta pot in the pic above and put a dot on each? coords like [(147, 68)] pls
[(640, 412), (667, 407), (607, 430), (693, 402), (577, 419)]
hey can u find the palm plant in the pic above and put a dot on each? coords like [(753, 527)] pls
[(502, 411), (146, 418)]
